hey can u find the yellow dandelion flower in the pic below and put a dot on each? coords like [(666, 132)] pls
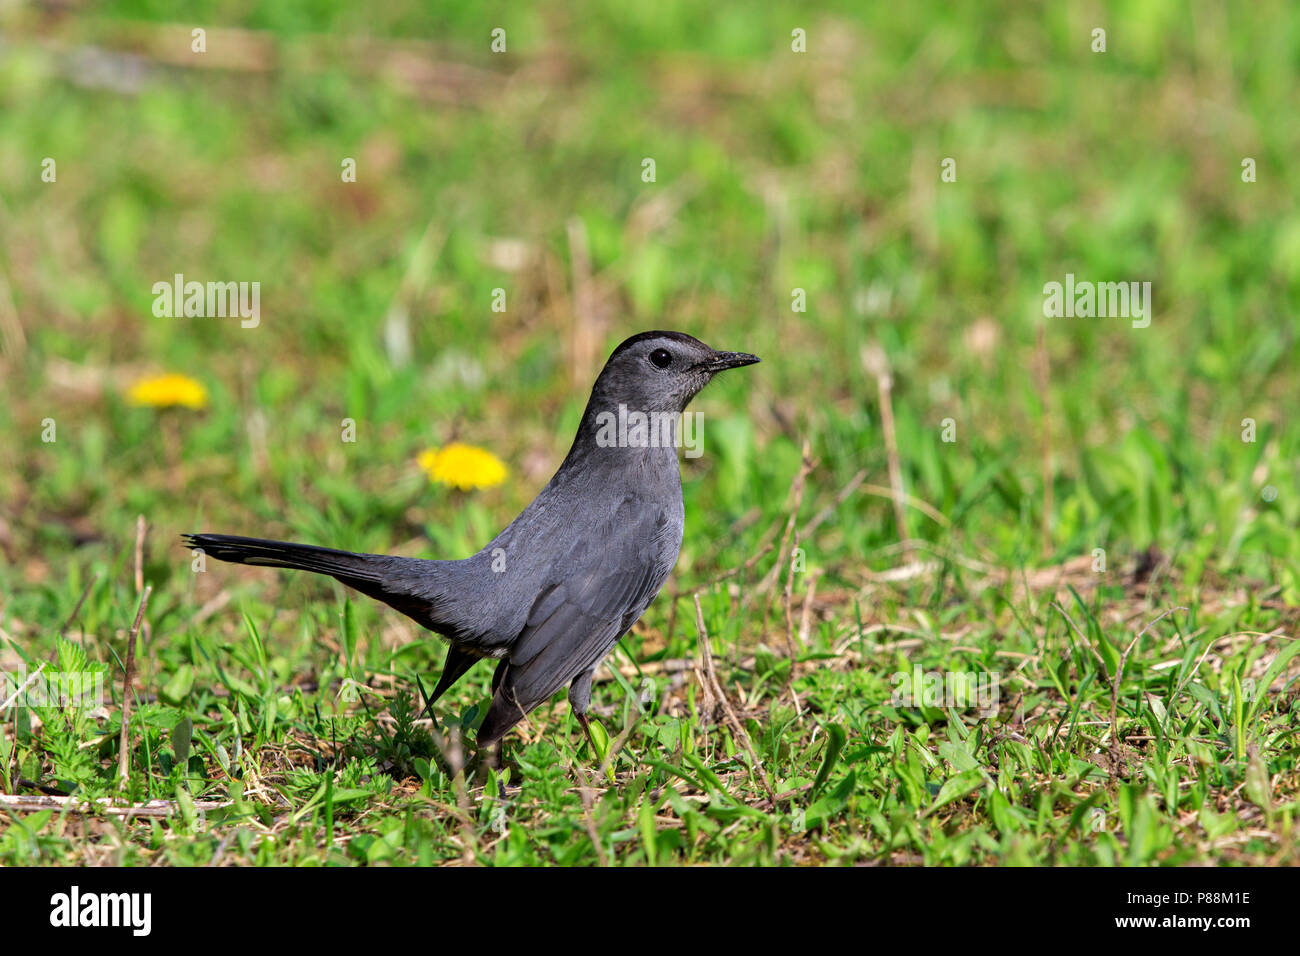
[(163, 391), (462, 466)]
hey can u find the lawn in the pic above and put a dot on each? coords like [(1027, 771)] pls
[(976, 584)]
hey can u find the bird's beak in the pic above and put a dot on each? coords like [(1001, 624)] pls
[(725, 360)]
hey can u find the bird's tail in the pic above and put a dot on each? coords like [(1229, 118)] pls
[(285, 554), (422, 590), (419, 589)]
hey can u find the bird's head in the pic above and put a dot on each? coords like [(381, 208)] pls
[(661, 372)]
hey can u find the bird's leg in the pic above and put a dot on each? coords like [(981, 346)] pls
[(501, 763), (586, 729), (580, 700)]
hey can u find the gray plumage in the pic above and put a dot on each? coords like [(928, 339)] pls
[(552, 594)]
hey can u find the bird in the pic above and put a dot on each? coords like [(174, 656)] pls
[(551, 595)]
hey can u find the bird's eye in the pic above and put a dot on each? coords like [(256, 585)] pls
[(661, 358)]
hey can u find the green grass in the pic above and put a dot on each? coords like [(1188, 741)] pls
[(1146, 713)]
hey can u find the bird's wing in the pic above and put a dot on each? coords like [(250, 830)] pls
[(596, 596)]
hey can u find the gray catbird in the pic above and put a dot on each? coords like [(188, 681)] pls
[(552, 593)]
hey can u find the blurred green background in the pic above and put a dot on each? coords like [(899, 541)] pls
[(774, 171), (522, 170)]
